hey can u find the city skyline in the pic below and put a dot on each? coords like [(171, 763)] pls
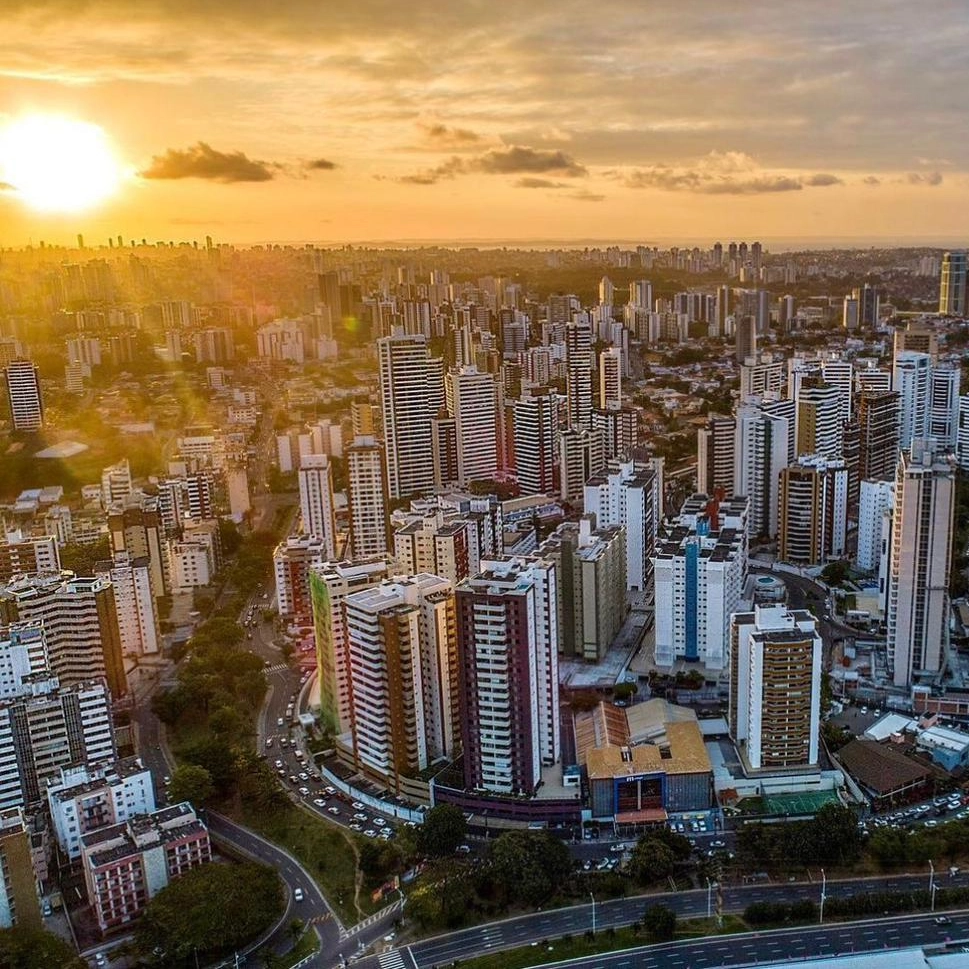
[(453, 122)]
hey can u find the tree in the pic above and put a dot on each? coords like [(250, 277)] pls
[(529, 866), (26, 948), (652, 861), (834, 573), (659, 923), (210, 910), (191, 783), (444, 828)]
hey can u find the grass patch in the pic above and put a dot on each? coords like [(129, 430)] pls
[(321, 849), (309, 942), (580, 946)]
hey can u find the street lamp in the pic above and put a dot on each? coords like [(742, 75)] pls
[(824, 885), (593, 912), (932, 884), (709, 898)]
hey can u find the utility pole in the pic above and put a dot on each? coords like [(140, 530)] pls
[(932, 884), (824, 885), (709, 899), (593, 912)]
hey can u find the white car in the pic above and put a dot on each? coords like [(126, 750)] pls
[(370, 833), (297, 894), (319, 802), (333, 810), (305, 791), (278, 764), (380, 822), (357, 806)]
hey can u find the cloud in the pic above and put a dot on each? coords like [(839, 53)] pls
[(442, 135), (321, 165), (530, 181), (822, 180), (871, 180), (706, 183), (584, 195), (203, 161), (7, 187), (927, 178), (510, 161)]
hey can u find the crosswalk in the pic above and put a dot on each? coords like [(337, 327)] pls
[(393, 959), (277, 668)]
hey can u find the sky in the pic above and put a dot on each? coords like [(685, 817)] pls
[(378, 120)]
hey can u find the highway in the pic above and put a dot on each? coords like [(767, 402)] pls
[(553, 924)]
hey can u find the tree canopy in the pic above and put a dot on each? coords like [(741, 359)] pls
[(214, 909), (529, 866), (444, 828), (27, 948), (191, 783)]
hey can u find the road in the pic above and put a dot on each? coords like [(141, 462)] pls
[(536, 927), (873, 935)]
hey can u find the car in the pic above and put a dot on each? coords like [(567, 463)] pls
[(293, 779), (931, 824), (370, 833), (319, 802), (360, 816), (297, 894), (331, 791), (269, 741), (587, 866), (305, 791), (943, 920), (303, 776), (47, 909), (100, 959), (356, 826), (385, 835), (333, 810), (718, 844), (463, 849), (380, 822), (280, 722), (278, 764), (357, 806)]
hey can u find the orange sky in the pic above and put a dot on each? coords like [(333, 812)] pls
[(373, 120)]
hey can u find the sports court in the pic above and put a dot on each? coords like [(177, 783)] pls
[(805, 802)]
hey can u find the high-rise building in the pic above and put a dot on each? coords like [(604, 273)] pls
[(293, 560), (24, 396), (919, 338), (19, 902), (868, 300), (367, 498), (812, 510), (592, 586), (763, 446), (943, 416), (410, 396), (20, 554), (910, 380), (610, 379), (580, 456), (715, 454), (920, 558), (134, 601), (401, 653), (534, 443), (617, 429), (578, 382), (115, 482), (762, 374), (700, 571), (316, 500), (878, 434), (877, 498), (629, 494), (472, 403), (775, 687), (962, 434), (80, 623), (952, 284), (820, 426), (330, 584), (745, 337), (508, 661), (135, 526)]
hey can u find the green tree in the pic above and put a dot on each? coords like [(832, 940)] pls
[(651, 861), (192, 783), (835, 573), (211, 910), (659, 923), (27, 948), (444, 828), (529, 866)]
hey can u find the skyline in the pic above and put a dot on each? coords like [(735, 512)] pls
[(370, 122)]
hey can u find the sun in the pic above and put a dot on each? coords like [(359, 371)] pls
[(57, 164)]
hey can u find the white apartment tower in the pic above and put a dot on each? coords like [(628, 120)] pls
[(316, 500), (535, 422), (24, 396), (943, 417), (367, 498), (910, 380), (578, 363), (762, 446), (472, 402), (920, 558), (610, 379)]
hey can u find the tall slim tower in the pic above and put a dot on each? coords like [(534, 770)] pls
[(578, 362), (952, 283), (910, 379), (610, 379), (367, 495), (919, 562), (878, 431), (316, 500), (471, 399), (943, 417), (23, 393), (535, 424), (410, 397)]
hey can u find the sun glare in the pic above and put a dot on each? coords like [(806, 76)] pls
[(57, 164)]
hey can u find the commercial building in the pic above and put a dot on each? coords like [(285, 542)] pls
[(507, 631), (24, 396), (330, 584), (920, 558), (700, 570), (952, 283), (591, 584), (127, 864), (85, 798), (629, 494), (775, 687), (367, 498), (812, 510)]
